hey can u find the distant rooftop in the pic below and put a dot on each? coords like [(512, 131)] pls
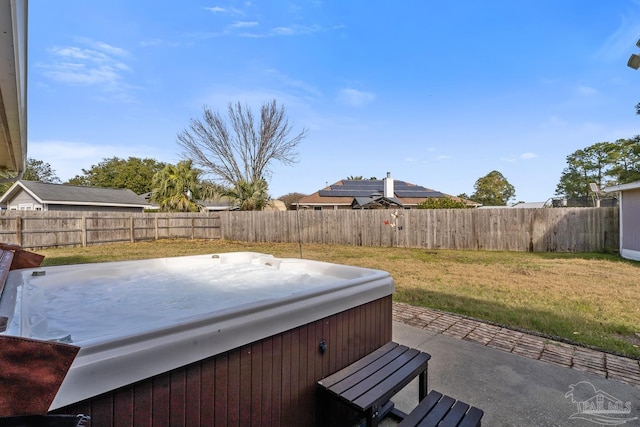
[(365, 188)]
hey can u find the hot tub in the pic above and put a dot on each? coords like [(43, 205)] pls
[(172, 337)]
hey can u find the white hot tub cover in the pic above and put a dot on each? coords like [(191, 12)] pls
[(189, 308)]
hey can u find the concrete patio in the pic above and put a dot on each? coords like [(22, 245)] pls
[(517, 379)]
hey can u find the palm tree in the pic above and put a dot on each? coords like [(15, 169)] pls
[(250, 196), (176, 187)]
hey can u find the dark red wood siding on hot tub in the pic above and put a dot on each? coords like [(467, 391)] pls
[(271, 382)]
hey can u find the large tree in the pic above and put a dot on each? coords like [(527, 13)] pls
[(177, 187), (603, 163), (625, 161), (238, 149), (133, 173), (290, 199), (37, 170), (360, 178), (493, 189)]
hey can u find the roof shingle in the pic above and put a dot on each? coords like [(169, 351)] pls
[(71, 194)]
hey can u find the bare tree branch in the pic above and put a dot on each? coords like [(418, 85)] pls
[(239, 149)]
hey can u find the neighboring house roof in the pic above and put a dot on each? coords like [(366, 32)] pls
[(61, 194), (527, 205), (622, 187), (275, 205), (220, 204), (375, 202), (366, 188), (521, 205), (13, 86), (360, 193)]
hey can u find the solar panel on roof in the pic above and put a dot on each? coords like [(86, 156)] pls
[(346, 193), (419, 194), (358, 184), (367, 188)]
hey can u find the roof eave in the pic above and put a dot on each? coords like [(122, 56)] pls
[(80, 203), (13, 87), (622, 187)]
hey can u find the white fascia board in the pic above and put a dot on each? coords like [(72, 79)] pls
[(622, 187)]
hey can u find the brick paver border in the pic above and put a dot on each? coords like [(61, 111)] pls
[(571, 356)]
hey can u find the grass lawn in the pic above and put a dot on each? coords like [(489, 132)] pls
[(587, 298)]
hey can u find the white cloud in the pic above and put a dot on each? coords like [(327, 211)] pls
[(355, 98), (282, 31), (622, 40), (243, 24), (111, 50), (94, 63), (80, 74), (227, 10), (299, 85), (528, 156), (215, 9), (295, 30)]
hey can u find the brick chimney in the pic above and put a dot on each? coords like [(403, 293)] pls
[(388, 186)]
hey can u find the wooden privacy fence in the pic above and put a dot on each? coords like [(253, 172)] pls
[(535, 230), (52, 229)]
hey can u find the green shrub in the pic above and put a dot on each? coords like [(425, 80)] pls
[(442, 203)]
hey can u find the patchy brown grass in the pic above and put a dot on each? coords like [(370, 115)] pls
[(591, 299)]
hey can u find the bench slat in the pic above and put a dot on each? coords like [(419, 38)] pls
[(369, 370), (440, 410), (438, 413), (455, 415), (336, 377), (473, 418), (421, 410)]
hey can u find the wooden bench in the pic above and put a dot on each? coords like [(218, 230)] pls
[(367, 385)]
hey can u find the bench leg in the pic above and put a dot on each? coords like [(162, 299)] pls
[(372, 417), (422, 385)]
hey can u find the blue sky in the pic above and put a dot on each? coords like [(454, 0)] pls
[(439, 93)]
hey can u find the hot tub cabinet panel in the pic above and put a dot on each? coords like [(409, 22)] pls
[(269, 382)]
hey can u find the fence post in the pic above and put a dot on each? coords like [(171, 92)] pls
[(156, 226), (193, 228), (19, 230), (83, 230), (131, 230)]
